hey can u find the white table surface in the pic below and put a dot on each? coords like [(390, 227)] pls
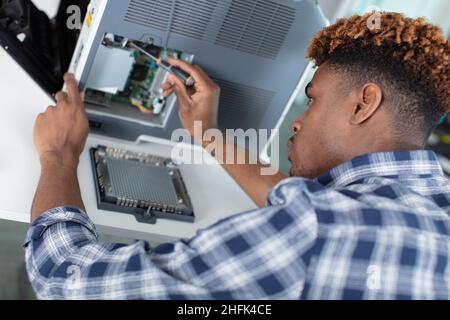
[(213, 192)]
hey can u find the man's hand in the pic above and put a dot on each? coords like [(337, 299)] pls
[(60, 133), (200, 103)]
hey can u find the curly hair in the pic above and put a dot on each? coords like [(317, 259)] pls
[(409, 57)]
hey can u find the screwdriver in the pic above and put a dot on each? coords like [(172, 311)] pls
[(166, 66)]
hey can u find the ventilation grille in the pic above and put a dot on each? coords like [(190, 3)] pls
[(242, 107), (191, 17), (257, 27), (150, 13), (141, 181)]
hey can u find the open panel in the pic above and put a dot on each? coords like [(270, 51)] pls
[(125, 83)]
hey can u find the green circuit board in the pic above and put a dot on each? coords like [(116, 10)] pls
[(136, 89), (144, 81)]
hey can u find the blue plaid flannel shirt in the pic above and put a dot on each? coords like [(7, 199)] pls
[(376, 227)]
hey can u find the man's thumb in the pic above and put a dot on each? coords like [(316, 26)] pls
[(180, 90)]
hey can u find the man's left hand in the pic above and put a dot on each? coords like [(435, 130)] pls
[(61, 132)]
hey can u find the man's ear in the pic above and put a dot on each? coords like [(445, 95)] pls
[(369, 100)]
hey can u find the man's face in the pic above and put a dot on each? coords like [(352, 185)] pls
[(322, 134)]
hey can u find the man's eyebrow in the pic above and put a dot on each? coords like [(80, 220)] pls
[(307, 89)]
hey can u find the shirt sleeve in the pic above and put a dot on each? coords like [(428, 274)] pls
[(253, 255)]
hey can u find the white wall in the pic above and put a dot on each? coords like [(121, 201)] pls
[(48, 6), (334, 9)]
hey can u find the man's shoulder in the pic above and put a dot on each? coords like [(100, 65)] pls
[(372, 202)]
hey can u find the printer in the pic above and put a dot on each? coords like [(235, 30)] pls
[(253, 49)]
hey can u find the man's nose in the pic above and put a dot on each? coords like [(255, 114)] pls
[(296, 126)]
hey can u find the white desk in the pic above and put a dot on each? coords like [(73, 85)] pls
[(213, 192)]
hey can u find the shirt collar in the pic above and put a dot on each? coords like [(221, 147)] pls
[(384, 164)]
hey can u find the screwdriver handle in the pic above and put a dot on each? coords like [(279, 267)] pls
[(179, 73)]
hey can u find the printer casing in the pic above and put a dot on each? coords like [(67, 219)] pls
[(254, 49)]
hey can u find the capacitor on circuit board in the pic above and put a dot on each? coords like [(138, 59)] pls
[(158, 105)]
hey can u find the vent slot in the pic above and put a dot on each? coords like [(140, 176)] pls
[(191, 17), (257, 27), (242, 107), (150, 13)]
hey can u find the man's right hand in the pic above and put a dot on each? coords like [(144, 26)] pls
[(199, 103)]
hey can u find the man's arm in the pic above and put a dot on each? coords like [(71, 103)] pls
[(60, 135), (201, 104), (58, 186), (262, 254), (248, 175)]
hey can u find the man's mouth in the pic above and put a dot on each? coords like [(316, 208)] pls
[(290, 145)]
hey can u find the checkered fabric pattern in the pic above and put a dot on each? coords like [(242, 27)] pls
[(376, 227)]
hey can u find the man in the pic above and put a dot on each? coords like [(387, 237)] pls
[(365, 214)]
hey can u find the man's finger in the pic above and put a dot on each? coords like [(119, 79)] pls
[(203, 73), (167, 93), (167, 86), (60, 96), (198, 77), (72, 87), (180, 90)]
